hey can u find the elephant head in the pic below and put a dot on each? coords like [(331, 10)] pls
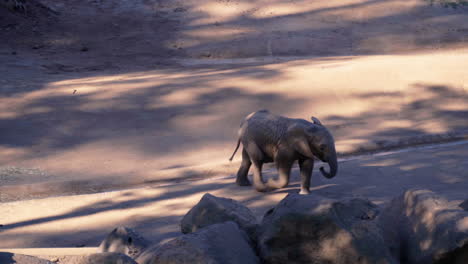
[(322, 145)]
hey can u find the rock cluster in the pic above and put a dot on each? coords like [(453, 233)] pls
[(422, 227), (416, 227)]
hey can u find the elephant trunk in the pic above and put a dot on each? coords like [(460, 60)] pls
[(333, 164)]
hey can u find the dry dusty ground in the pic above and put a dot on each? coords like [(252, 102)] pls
[(98, 95), (155, 211), (102, 94), (116, 129)]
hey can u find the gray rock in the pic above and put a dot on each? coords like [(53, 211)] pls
[(101, 258), (12, 258), (124, 240), (422, 227), (222, 243), (464, 205), (312, 229), (213, 210)]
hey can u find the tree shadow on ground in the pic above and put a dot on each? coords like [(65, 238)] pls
[(358, 28), (144, 119), (122, 35), (158, 122), (421, 114), (157, 213), (63, 121)]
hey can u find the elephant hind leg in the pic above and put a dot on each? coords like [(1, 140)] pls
[(257, 177), (242, 179), (284, 171), (257, 158)]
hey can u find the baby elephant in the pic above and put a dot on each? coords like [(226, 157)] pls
[(267, 138)]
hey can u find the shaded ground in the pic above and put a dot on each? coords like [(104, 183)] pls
[(96, 95), (95, 35), (156, 211), (116, 129)]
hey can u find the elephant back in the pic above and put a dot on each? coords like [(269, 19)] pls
[(264, 128)]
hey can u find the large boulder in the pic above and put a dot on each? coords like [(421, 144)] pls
[(421, 227), (12, 258), (216, 244), (312, 229), (213, 210), (101, 258), (124, 240)]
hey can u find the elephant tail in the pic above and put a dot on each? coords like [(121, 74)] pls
[(238, 144)]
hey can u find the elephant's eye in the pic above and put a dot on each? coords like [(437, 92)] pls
[(322, 147)]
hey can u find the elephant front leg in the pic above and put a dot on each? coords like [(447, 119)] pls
[(243, 171), (306, 166)]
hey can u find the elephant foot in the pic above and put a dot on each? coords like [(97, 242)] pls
[(304, 192), (243, 183)]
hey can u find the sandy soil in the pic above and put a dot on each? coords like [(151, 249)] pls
[(117, 129), (114, 33), (113, 93), (155, 211)]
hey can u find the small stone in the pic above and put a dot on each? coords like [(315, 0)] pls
[(206, 54), (180, 9), (464, 205)]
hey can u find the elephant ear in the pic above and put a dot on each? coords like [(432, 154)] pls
[(298, 137), (316, 121)]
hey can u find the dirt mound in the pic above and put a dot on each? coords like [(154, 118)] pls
[(86, 32), (24, 23), (125, 31)]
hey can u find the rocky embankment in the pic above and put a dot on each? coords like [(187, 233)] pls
[(418, 226)]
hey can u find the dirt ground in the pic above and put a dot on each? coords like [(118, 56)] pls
[(112, 93), (102, 95), (156, 210)]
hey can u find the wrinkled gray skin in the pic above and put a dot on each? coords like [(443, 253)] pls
[(270, 138)]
